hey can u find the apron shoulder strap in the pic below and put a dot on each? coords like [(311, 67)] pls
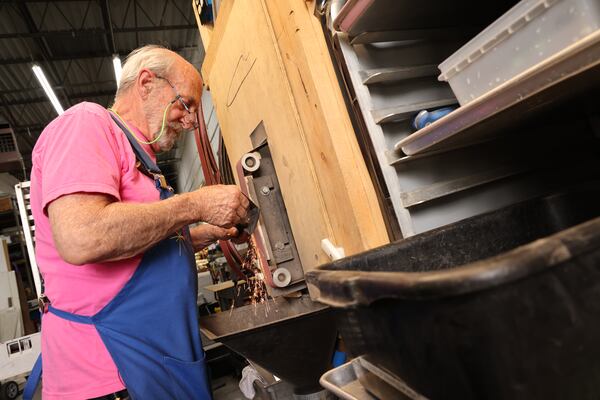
[(140, 153), (147, 166), (33, 380)]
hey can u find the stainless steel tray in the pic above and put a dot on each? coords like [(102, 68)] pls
[(361, 380)]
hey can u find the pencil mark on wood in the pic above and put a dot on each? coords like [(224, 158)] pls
[(242, 69)]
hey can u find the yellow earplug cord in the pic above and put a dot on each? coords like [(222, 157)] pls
[(162, 129)]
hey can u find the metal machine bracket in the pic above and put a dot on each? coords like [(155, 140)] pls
[(258, 172)]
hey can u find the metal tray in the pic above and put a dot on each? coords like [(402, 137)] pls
[(361, 380)]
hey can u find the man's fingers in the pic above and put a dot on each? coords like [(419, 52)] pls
[(231, 233), (242, 215), (228, 225), (230, 206), (224, 233), (241, 238), (245, 202)]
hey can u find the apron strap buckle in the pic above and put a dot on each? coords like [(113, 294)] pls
[(43, 303), (160, 178)]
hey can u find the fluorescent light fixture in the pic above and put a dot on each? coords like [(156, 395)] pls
[(117, 67), (39, 74)]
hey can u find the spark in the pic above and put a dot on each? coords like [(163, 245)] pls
[(256, 283), (255, 280)]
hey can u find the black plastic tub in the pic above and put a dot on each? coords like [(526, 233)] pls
[(505, 305)]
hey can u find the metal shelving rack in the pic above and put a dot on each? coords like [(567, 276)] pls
[(572, 69), (388, 56), (22, 190)]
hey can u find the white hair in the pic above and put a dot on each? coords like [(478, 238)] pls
[(157, 59)]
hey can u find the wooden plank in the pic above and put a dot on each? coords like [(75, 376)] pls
[(343, 179), (268, 61), (222, 286)]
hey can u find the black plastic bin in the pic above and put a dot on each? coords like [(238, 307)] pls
[(481, 309)]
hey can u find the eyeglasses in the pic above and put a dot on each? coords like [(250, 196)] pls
[(191, 119)]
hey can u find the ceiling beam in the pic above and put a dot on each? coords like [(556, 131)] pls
[(25, 128), (93, 31), (41, 44), (9, 116), (42, 1), (88, 95), (135, 23), (55, 33), (56, 87), (156, 28), (81, 56), (100, 93), (110, 37), (26, 60)]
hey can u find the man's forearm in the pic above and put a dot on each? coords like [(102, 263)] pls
[(90, 228), (105, 231)]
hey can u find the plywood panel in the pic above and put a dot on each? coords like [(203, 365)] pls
[(267, 62), (343, 178)]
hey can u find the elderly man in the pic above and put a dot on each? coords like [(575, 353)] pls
[(112, 242)]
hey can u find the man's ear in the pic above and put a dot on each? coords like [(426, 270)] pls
[(144, 82)]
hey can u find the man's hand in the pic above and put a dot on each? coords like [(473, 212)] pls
[(206, 234), (221, 205)]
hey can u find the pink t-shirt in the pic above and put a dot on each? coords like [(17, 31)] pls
[(83, 150)]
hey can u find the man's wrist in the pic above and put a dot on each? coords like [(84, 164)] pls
[(192, 206)]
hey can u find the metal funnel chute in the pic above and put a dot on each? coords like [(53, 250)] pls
[(293, 338)]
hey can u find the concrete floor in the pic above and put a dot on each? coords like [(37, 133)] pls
[(226, 388), (37, 396)]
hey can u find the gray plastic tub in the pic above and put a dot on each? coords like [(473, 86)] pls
[(529, 33)]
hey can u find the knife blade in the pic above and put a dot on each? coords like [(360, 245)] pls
[(252, 215)]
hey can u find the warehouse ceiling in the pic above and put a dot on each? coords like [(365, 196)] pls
[(74, 42)]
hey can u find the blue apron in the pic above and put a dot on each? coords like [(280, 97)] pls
[(150, 327)]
